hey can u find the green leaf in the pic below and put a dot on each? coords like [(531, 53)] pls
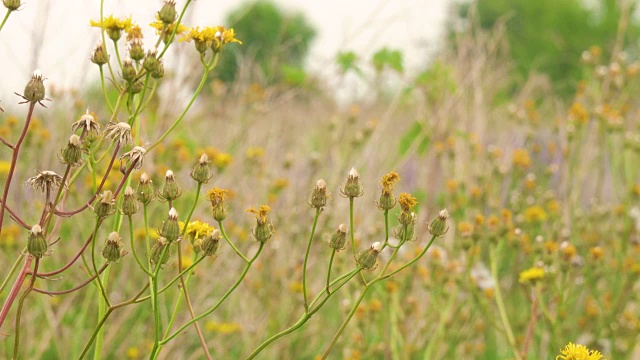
[(410, 136)]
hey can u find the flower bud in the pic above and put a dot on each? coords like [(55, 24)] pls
[(158, 249), (167, 13), (105, 205), (151, 61), (438, 226), (171, 190), (158, 73), (352, 187), (339, 238), (113, 248), (201, 172), (99, 56), (37, 244), (145, 192), (211, 244), (128, 71), (12, 5), (409, 223), (319, 195), (34, 91), (130, 204), (170, 228), (136, 50), (72, 153), (367, 258)]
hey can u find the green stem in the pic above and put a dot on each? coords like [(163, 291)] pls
[(93, 263), (104, 43), (207, 69), (500, 303), (16, 344), (333, 254), (133, 248), (224, 234), (224, 297), (104, 90), (154, 301), (306, 259), (346, 321), (6, 16), (11, 272), (175, 29)]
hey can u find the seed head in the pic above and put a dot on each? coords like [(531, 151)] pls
[(34, 91), (211, 243), (99, 55), (45, 181), (201, 172), (121, 132), (130, 204), (170, 228), (106, 205), (158, 73), (151, 61), (113, 248), (12, 5), (136, 49), (367, 258), (171, 190), (134, 158), (145, 192), (319, 195), (352, 187), (88, 126), (167, 13), (339, 238), (72, 153), (438, 226), (158, 249), (37, 244), (128, 70)]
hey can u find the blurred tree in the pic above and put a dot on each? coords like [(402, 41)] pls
[(549, 36), (276, 42)]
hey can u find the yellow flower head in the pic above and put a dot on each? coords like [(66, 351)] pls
[(217, 196), (407, 202), (197, 229), (113, 26), (578, 352), (521, 158), (261, 213), (531, 275), (160, 26), (389, 181), (134, 32), (535, 214), (211, 37)]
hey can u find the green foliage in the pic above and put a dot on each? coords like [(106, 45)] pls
[(271, 37), (548, 36), (347, 61), (386, 58)]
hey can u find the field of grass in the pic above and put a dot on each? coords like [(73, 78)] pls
[(542, 196)]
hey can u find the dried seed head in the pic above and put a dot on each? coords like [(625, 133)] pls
[(339, 238), (145, 192), (105, 205), (72, 153), (171, 190), (367, 258), (352, 187), (158, 250), (134, 158), (438, 226), (37, 244), (136, 49), (34, 91), (170, 227), (406, 231), (99, 55), (128, 70), (151, 61), (121, 132), (45, 181), (88, 126), (201, 172), (319, 195), (130, 204), (211, 243), (113, 248), (167, 13)]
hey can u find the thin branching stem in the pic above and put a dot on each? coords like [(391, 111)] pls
[(306, 259)]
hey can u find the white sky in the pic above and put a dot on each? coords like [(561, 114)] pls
[(55, 36)]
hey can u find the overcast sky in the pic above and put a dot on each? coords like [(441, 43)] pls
[(55, 36)]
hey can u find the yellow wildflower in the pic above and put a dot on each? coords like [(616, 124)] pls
[(134, 32), (535, 214), (407, 202), (578, 352), (222, 160), (159, 26), (578, 113), (596, 252), (521, 158), (261, 213), (5, 166), (133, 353), (197, 229), (531, 275), (113, 26), (389, 181)]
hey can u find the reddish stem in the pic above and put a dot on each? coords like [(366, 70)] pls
[(15, 289), (14, 160), (104, 179), (52, 293), (73, 260)]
